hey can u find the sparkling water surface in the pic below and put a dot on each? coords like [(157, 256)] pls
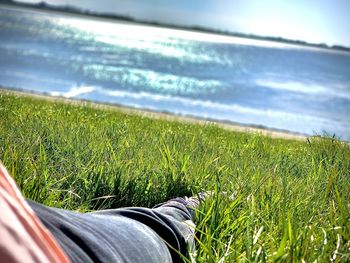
[(275, 85)]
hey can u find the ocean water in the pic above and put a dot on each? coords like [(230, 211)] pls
[(279, 86)]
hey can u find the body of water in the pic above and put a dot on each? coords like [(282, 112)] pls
[(275, 85)]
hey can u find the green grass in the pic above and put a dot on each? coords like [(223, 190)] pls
[(292, 198)]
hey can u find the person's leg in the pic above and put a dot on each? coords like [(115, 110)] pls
[(134, 234), (105, 236), (181, 211), (173, 221)]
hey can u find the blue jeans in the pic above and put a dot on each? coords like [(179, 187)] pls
[(135, 234)]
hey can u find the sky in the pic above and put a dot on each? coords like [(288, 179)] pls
[(314, 21)]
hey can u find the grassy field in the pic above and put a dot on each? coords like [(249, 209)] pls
[(292, 197)]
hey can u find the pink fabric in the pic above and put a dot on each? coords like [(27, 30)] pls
[(23, 238)]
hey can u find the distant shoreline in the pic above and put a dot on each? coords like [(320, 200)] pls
[(71, 10), (237, 127)]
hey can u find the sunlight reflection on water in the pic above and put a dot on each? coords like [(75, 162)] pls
[(205, 75)]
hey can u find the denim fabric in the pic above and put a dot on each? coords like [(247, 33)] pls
[(132, 234)]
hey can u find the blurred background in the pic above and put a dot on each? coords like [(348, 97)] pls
[(274, 64)]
